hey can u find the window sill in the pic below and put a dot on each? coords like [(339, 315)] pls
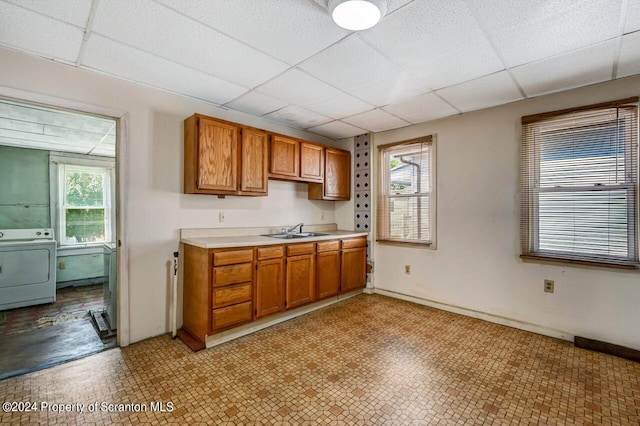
[(80, 249), (407, 243), (538, 258)]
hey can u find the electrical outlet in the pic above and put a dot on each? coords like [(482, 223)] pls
[(221, 217), (62, 265), (322, 216), (407, 269), (548, 286)]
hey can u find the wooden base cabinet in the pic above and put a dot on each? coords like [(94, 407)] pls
[(269, 285), (354, 264), (327, 269), (300, 279), (224, 288), (217, 292)]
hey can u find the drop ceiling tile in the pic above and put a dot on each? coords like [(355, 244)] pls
[(439, 40), (376, 120), (365, 73), (256, 103), (289, 30), (299, 88), (484, 92), (629, 63), (75, 12), (32, 32), (632, 22), (146, 25), (339, 105), (337, 130), (296, 116), (421, 108), (131, 64), (582, 67), (537, 29)]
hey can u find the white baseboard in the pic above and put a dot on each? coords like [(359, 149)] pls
[(509, 322)]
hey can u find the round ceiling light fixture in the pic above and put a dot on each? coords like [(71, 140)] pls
[(357, 15)]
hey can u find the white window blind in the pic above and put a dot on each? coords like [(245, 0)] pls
[(406, 201), (579, 184)]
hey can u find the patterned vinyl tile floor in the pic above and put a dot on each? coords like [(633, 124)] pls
[(370, 360)]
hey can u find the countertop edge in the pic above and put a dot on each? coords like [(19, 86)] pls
[(259, 240)]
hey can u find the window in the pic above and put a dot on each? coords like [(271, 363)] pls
[(406, 192), (83, 213), (580, 184)]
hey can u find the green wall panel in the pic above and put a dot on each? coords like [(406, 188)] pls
[(78, 267), (24, 188)]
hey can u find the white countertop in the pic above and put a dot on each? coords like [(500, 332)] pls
[(259, 240)]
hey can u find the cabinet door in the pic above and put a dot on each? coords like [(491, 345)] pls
[(354, 268), (285, 157), (300, 280), (268, 295), (337, 180), (254, 157), (327, 274), (311, 162), (217, 156)]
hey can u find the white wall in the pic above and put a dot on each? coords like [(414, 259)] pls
[(155, 207), (476, 265)]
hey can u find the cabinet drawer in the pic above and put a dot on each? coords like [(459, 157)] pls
[(231, 315), (328, 246), (296, 249), (230, 257), (354, 242), (231, 294), (270, 252), (225, 275)]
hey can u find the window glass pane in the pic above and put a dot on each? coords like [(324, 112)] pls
[(85, 225), (590, 155), (409, 170), (409, 218), (589, 222), (84, 188)]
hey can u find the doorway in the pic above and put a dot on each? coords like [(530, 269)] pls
[(59, 216)]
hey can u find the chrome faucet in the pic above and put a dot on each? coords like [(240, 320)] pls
[(290, 230)]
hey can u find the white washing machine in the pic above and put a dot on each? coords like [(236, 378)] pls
[(27, 267)]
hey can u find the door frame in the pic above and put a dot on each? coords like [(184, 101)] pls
[(122, 185)]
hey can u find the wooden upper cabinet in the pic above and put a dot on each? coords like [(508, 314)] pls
[(311, 162), (217, 156), (337, 177), (293, 159), (285, 157), (223, 158), (254, 157)]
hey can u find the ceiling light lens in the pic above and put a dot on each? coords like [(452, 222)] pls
[(356, 15)]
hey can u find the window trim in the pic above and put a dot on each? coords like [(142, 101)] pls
[(56, 159), (530, 172), (382, 206)]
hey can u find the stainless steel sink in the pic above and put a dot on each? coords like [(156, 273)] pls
[(287, 236)]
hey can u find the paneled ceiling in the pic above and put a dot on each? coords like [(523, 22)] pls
[(286, 60)]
